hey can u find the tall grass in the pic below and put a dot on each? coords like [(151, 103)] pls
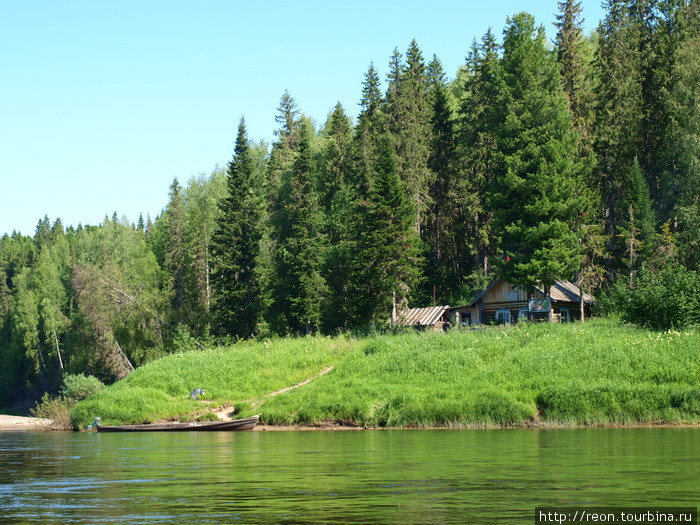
[(598, 372)]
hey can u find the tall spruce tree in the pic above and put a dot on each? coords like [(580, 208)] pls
[(480, 119), (409, 121), (336, 195), (537, 198), (443, 270), (236, 292), (175, 255), (576, 54), (299, 245), (618, 123), (385, 245)]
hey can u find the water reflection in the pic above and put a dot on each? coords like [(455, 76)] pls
[(484, 476)]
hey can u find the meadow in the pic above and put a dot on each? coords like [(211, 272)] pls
[(597, 373)]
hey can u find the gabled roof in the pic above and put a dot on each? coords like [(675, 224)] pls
[(421, 316), (562, 291), (566, 291), (487, 290)]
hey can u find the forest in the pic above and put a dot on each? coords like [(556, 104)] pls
[(575, 159)]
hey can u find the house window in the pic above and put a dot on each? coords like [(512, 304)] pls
[(522, 314), (503, 316), (512, 296), (564, 315)]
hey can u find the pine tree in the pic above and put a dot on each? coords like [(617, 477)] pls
[(299, 244), (537, 198), (236, 291)]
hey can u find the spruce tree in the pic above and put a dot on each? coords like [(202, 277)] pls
[(409, 121), (236, 293), (385, 245), (480, 119), (336, 196), (537, 198), (443, 269), (299, 245), (575, 60), (175, 255)]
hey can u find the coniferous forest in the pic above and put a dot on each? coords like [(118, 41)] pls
[(575, 159)]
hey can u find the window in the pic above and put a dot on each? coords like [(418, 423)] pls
[(522, 314), (512, 296), (564, 315), (503, 316)]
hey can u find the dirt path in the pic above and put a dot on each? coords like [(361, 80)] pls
[(225, 412), (11, 423)]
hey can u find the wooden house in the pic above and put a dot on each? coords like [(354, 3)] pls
[(503, 302)]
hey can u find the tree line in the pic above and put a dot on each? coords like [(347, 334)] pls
[(537, 162)]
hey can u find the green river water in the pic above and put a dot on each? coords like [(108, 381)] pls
[(446, 476)]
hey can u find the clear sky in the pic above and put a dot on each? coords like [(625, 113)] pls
[(103, 103)]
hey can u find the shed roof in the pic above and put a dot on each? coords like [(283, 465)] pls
[(421, 316)]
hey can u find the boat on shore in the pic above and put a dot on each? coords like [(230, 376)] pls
[(195, 426)]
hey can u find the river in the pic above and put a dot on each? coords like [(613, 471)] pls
[(442, 476)]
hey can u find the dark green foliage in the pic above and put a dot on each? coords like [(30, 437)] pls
[(533, 164), (637, 231), (299, 241), (664, 299), (445, 253), (175, 256), (480, 120), (384, 246), (337, 192), (236, 289), (538, 199), (618, 125), (408, 111)]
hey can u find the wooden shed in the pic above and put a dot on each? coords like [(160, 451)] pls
[(431, 317), (503, 302)]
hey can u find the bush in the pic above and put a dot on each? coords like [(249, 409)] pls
[(77, 387), (664, 299), (55, 409)]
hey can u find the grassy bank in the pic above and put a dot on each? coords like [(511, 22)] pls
[(596, 373)]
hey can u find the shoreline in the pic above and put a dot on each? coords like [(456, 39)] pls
[(20, 423), (526, 426)]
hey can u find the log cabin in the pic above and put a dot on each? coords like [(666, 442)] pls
[(506, 303)]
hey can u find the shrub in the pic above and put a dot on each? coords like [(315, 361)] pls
[(664, 299), (57, 410), (77, 387)]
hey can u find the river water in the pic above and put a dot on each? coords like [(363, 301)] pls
[(445, 476)]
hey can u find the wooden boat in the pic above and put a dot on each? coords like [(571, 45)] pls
[(236, 424)]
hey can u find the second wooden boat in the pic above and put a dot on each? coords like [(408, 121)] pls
[(237, 424)]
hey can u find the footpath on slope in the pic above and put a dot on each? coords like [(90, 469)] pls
[(225, 412)]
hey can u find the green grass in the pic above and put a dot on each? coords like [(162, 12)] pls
[(600, 372)]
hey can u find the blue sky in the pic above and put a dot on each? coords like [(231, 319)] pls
[(102, 104)]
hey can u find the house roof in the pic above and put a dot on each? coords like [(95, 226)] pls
[(421, 316), (562, 291), (566, 291)]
